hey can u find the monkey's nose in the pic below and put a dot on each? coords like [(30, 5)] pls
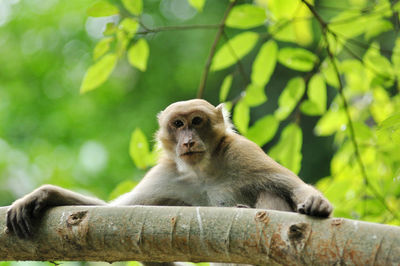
[(189, 144)]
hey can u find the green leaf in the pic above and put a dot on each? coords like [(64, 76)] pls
[(233, 50), (349, 23), (303, 27), (288, 150), (310, 108), (378, 27), (333, 120), (226, 85), (283, 32), (283, 8), (130, 26), (316, 103), (98, 73), (289, 98), (241, 117), (122, 42), (102, 9), (246, 16), (122, 188), (102, 47), (381, 106), (317, 91), (355, 74), (391, 123), (396, 60), (197, 4), (110, 29), (297, 58), (139, 149), (254, 95), (379, 67), (389, 129), (362, 132), (135, 7), (264, 64), (328, 71), (263, 130), (138, 54)]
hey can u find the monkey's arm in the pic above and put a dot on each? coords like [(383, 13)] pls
[(158, 187), (279, 182), (23, 211)]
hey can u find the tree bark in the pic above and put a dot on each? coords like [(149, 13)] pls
[(237, 235)]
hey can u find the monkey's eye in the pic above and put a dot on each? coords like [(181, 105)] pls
[(178, 123), (197, 121)]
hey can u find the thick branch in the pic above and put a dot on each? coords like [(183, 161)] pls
[(237, 235)]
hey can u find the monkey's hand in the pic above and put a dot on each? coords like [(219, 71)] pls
[(21, 214), (311, 202), (315, 205)]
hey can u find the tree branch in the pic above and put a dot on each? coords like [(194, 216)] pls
[(176, 28), (236, 235), (206, 70)]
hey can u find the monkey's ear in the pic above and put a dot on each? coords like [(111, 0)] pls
[(159, 115), (225, 115)]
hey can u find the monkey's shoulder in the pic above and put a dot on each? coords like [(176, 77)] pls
[(241, 153)]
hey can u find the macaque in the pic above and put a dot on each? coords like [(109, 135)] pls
[(204, 162)]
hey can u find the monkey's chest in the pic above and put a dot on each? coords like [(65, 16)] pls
[(221, 194)]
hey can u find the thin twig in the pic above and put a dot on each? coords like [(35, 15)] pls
[(325, 31), (206, 70), (176, 28), (239, 62)]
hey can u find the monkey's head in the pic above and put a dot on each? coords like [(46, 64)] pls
[(191, 130)]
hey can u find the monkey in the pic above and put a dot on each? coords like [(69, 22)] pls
[(203, 162)]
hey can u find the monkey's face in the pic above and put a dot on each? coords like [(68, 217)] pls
[(189, 130)]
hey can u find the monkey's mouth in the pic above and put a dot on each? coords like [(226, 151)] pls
[(190, 153)]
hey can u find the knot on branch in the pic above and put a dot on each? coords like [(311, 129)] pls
[(76, 218), (298, 235)]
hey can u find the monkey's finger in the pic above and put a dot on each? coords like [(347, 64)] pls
[(9, 221), (325, 209), (308, 204), (26, 223), (301, 208), (22, 230), (14, 223), (315, 206)]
